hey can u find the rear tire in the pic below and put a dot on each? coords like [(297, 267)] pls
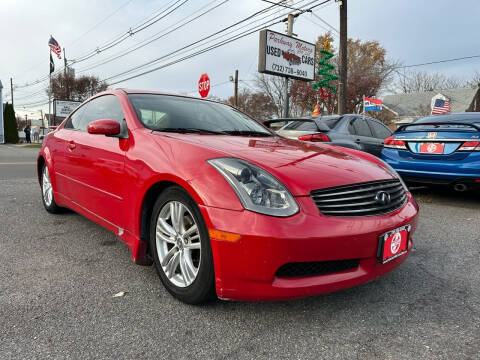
[(180, 246), (47, 192)]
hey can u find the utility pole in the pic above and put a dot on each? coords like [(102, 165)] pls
[(235, 89), (342, 93), (67, 94), (287, 93), (11, 90)]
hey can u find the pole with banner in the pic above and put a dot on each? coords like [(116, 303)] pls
[(2, 131), (52, 69)]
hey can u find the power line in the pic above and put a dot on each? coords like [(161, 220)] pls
[(224, 42), (100, 22), (438, 62), (130, 32), (153, 38), (95, 26), (117, 39), (285, 6), (326, 23), (151, 62)]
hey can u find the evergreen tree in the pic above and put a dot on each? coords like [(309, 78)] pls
[(10, 124)]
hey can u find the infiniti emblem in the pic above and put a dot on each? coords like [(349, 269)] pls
[(382, 197)]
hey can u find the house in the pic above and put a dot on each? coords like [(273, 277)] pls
[(405, 108)]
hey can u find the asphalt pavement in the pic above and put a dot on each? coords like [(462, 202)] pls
[(58, 275)]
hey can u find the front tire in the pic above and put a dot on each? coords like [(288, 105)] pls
[(47, 192), (180, 247)]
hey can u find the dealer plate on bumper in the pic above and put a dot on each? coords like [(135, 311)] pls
[(393, 244)]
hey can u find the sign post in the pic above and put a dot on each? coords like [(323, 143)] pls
[(2, 134), (204, 85)]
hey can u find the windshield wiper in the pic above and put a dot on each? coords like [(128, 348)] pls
[(191, 131), (248, 132)]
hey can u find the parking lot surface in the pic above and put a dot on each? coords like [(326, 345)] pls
[(58, 275)]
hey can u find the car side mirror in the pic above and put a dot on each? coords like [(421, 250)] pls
[(107, 127)]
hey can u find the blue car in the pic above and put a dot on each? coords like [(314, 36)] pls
[(441, 149)]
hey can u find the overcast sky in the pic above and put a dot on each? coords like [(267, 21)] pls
[(413, 31)]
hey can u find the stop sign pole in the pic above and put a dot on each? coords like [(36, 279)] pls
[(204, 85)]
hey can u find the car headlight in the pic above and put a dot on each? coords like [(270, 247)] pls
[(257, 190), (395, 173)]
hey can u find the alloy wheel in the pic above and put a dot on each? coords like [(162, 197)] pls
[(47, 190), (178, 243)]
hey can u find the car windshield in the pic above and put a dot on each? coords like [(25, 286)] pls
[(309, 124), (181, 114)]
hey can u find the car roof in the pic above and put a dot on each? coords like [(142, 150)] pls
[(468, 117), (152, 92)]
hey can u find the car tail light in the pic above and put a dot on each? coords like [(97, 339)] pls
[(391, 143), (470, 146), (315, 137)]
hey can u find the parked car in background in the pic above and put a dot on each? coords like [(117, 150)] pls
[(352, 131), (221, 205), (439, 149)]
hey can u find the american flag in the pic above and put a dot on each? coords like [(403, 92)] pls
[(441, 107), (54, 46)]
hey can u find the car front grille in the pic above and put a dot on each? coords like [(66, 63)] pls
[(301, 269), (363, 199)]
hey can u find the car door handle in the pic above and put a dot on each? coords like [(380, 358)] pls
[(71, 145)]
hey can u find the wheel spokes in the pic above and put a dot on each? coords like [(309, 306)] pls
[(169, 255), (172, 265), (176, 226)]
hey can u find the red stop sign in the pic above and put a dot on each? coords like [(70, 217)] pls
[(204, 85)]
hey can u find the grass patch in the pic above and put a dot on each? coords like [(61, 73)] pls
[(33, 146)]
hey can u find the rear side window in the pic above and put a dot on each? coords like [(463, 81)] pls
[(360, 127), (103, 107), (301, 126), (380, 131)]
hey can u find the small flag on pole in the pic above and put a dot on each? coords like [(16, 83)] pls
[(316, 110), (370, 104), (441, 107), (52, 64), (54, 46)]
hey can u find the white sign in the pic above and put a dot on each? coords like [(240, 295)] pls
[(63, 108), (287, 56)]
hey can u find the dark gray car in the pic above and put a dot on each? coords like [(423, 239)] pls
[(353, 131)]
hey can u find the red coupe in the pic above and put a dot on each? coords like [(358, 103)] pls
[(221, 205)]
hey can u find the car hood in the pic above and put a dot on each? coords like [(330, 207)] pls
[(300, 166)]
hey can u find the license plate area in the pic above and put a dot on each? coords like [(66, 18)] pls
[(393, 244), (431, 148)]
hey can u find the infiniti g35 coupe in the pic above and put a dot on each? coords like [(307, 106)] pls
[(219, 204)]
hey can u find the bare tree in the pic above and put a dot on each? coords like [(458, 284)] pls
[(274, 88), (423, 81), (71, 88), (257, 104), (475, 81)]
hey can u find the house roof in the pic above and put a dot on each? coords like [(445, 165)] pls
[(414, 104)]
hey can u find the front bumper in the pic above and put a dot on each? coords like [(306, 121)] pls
[(246, 269)]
